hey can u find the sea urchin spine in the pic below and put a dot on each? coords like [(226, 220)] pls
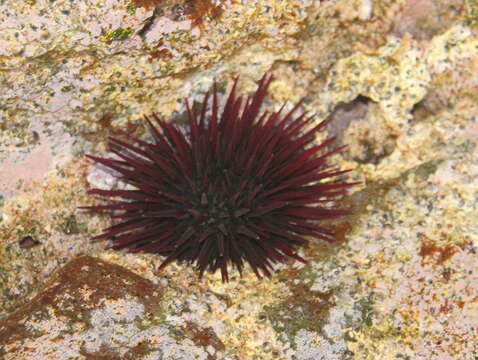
[(236, 187)]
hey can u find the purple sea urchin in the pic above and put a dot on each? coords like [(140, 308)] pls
[(237, 187)]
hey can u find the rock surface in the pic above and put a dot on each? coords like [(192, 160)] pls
[(94, 310), (399, 78)]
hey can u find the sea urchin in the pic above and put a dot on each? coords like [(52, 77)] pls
[(235, 187)]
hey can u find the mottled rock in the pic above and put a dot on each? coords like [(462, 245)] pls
[(398, 77), (91, 309), (425, 18)]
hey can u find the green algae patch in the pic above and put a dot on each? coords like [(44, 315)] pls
[(471, 13), (118, 34), (302, 308)]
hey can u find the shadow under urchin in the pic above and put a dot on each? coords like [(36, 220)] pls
[(238, 187)]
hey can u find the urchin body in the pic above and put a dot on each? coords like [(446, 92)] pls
[(238, 187)]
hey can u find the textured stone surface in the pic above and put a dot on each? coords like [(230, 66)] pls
[(399, 78), (94, 310)]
